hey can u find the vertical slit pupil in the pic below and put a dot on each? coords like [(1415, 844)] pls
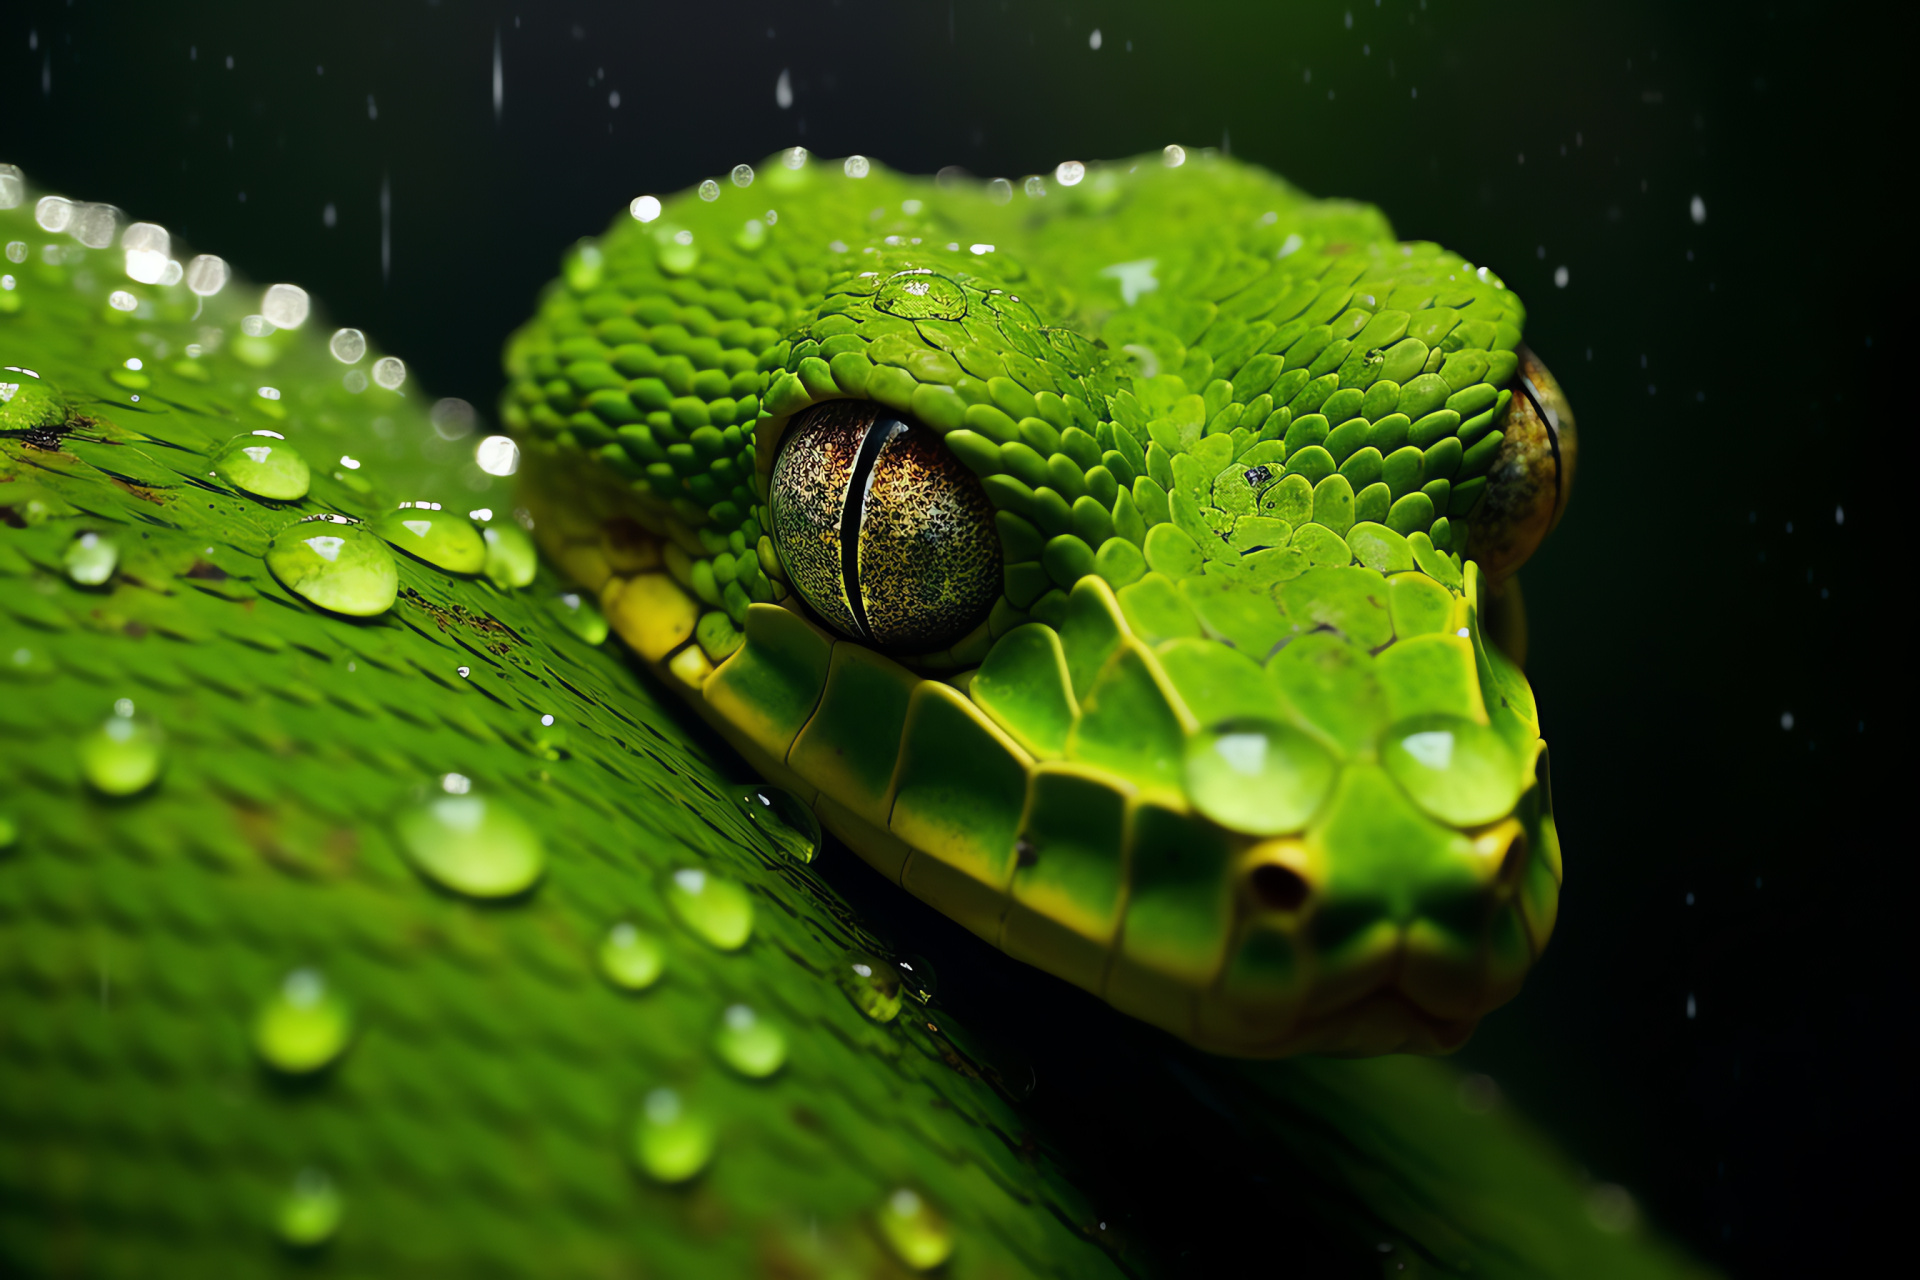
[(851, 515)]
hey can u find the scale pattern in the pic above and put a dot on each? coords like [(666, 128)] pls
[(246, 1031), (1234, 439)]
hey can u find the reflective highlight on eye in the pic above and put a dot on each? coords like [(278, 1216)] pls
[(882, 531)]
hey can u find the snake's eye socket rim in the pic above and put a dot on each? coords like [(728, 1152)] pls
[(883, 533), (1531, 475)]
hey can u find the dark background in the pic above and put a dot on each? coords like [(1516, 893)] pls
[(1713, 1024)]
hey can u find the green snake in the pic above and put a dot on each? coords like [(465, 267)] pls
[(1105, 563), (1120, 563)]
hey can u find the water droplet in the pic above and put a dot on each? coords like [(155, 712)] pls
[(445, 539), (90, 559), (497, 455), (630, 959), (304, 1027), (709, 190), (749, 1043), (390, 372), (581, 615), (338, 566), (348, 346), (511, 558), (310, 1213), (644, 208), (1069, 172), (207, 275), (1000, 191), (917, 978), (719, 912), (781, 816), (918, 1235), (1036, 186), (463, 672), (123, 756), (29, 403), (473, 845), (550, 739), (743, 175), (671, 1143), (794, 157), (872, 984), (920, 294), (264, 466), (857, 167), (285, 305), (1697, 210)]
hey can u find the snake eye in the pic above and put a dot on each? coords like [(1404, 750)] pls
[(1531, 476), (882, 531)]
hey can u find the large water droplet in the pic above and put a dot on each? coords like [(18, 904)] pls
[(511, 558), (718, 912), (917, 1234), (304, 1027), (310, 1213), (347, 345), (630, 959), (90, 559), (749, 1043), (445, 539), (336, 565), (872, 984), (29, 402), (709, 190), (781, 816), (265, 465), (581, 615), (473, 845), (671, 1143), (285, 305), (123, 756)]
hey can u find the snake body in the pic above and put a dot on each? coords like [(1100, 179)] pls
[(1182, 686)]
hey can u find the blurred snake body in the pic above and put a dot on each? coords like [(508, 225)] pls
[(1120, 563)]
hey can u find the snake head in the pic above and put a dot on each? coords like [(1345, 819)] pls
[(1092, 565)]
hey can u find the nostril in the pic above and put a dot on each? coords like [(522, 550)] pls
[(1278, 889), (1515, 863)]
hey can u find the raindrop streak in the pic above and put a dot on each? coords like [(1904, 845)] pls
[(511, 558), (304, 1027), (749, 1043), (581, 615), (873, 986), (310, 1213), (122, 757), (783, 819), (265, 466), (90, 559), (473, 846), (783, 90), (630, 959), (670, 1144), (918, 1236), (339, 567), (718, 912), (445, 539)]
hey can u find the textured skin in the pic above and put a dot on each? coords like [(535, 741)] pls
[(481, 1118), (1231, 749)]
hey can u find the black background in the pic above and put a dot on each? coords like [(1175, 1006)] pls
[(1727, 560)]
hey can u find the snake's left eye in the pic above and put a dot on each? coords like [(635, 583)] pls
[(882, 531)]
